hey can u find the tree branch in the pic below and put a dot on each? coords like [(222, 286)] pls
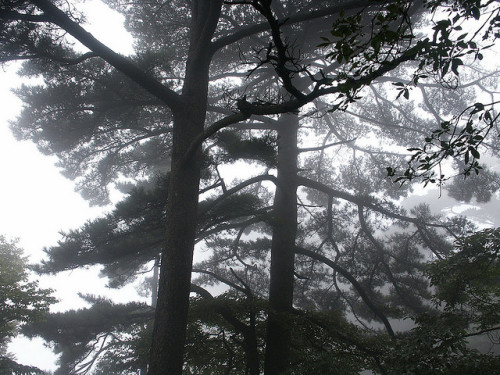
[(236, 188), (122, 64), (360, 201), (381, 252), (11, 15), (353, 281), (349, 85), (301, 17), (211, 130), (221, 279)]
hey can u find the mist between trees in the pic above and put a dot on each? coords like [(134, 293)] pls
[(281, 139)]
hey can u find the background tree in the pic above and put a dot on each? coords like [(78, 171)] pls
[(105, 337), (467, 291), (21, 302)]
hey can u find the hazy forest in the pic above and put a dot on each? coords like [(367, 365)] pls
[(269, 153)]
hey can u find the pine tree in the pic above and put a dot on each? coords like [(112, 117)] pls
[(22, 302)]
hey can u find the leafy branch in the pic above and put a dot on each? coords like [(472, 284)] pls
[(456, 138)]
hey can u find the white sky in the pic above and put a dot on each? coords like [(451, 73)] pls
[(36, 202)]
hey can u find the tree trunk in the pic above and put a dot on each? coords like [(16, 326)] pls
[(251, 348), (169, 332), (283, 250)]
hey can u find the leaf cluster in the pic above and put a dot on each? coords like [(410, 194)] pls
[(21, 300), (467, 281)]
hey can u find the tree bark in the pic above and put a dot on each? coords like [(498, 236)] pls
[(283, 250), (169, 332)]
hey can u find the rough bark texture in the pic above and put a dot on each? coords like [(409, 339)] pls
[(283, 250), (169, 332)]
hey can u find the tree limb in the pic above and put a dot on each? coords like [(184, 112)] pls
[(353, 281), (300, 17), (122, 64)]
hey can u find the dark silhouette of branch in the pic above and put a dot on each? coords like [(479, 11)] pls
[(221, 279), (364, 296), (56, 16), (300, 17), (237, 188), (381, 253)]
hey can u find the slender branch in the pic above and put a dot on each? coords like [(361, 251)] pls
[(283, 58), (64, 60), (361, 201), (221, 309), (350, 84), (381, 252), (11, 15), (321, 148), (221, 279), (364, 296), (237, 188), (486, 330), (248, 290)]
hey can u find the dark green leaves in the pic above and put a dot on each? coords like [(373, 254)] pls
[(11, 367), (21, 302), (468, 279), (458, 138)]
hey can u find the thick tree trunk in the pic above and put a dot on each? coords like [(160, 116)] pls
[(169, 332), (283, 250), (176, 261)]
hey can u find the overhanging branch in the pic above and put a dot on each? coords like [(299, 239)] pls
[(300, 17), (122, 64), (361, 201), (364, 296)]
